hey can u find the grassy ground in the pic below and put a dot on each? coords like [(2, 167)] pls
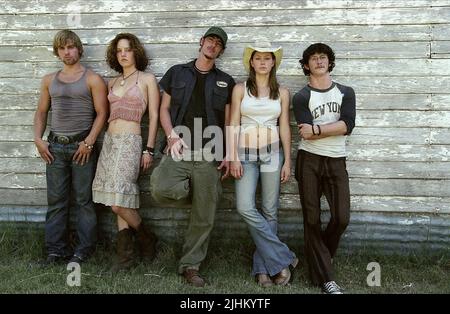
[(226, 268)]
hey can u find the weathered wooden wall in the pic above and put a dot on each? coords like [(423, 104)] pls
[(396, 55)]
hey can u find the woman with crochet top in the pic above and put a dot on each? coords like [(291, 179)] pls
[(122, 156)]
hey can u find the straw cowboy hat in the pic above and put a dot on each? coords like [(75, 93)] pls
[(278, 52)]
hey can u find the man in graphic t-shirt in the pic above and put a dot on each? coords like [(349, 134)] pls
[(325, 113)]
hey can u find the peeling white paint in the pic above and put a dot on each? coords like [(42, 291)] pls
[(406, 222), (403, 112), (413, 221)]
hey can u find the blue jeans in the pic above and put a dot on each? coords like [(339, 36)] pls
[(271, 255), (66, 180)]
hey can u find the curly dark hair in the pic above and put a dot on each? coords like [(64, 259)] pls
[(140, 56), (317, 48)]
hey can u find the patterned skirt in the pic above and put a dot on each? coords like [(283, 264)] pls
[(115, 182)]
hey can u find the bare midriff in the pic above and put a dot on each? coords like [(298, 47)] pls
[(119, 126), (258, 137)]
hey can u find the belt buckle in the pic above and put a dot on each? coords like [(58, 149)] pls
[(62, 139)]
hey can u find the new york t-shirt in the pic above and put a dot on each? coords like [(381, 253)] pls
[(315, 106)]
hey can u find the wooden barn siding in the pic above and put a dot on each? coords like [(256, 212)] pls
[(396, 55)]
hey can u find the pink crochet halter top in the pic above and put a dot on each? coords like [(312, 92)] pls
[(130, 106)]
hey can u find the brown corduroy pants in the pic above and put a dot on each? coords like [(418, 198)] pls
[(317, 175)]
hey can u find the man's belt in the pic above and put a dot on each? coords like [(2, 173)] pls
[(66, 139)]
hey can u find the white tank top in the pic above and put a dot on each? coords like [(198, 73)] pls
[(259, 112)]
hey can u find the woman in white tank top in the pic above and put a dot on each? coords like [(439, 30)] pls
[(259, 122)]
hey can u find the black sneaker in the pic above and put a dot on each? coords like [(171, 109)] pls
[(76, 259), (331, 287), (52, 260)]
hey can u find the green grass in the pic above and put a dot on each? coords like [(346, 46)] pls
[(226, 268)]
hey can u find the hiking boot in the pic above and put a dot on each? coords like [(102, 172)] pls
[(264, 280), (331, 287), (146, 240), (126, 255), (193, 277)]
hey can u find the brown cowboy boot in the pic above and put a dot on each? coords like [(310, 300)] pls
[(284, 276), (126, 255), (264, 280), (146, 240)]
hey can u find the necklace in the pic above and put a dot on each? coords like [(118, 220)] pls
[(200, 71), (122, 83)]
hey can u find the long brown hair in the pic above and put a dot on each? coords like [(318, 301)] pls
[(140, 57), (273, 83)]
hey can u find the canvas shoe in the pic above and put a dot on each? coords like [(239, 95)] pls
[(331, 287)]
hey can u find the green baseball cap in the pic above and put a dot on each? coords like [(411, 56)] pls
[(219, 32)]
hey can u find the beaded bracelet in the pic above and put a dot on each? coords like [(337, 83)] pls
[(90, 147)]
